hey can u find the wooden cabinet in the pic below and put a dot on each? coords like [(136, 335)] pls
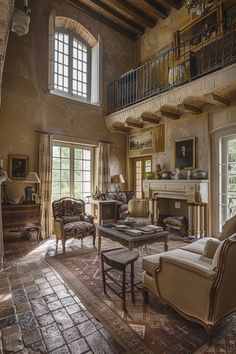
[(104, 211), (21, 217)]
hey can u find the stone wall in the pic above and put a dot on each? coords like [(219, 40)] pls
[(27, 105)]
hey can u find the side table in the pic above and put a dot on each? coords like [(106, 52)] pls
[(119, 259)]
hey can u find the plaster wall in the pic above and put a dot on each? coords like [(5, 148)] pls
[(181, 129), (27, 105), (161, 36)]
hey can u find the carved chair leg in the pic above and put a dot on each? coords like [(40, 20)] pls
[(145, 296), (63, 241), (94, 238), (56, 244)]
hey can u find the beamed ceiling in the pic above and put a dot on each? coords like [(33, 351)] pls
[(128, 17)]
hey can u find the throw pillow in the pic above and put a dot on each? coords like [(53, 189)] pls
[(210, 248), (229, 228)]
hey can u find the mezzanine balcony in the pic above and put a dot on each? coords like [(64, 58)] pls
[(187, 77)]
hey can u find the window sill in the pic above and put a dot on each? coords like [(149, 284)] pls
[(72, 100)]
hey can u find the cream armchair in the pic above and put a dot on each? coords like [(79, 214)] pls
[(143, 211), (200, 286)]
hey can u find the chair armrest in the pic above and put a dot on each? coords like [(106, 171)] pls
[(189, 266), (89, 218), (58, 228)]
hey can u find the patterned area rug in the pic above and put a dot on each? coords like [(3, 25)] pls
[(152, 328)]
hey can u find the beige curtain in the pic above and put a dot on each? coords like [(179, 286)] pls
[(104, 179), (45, 175)]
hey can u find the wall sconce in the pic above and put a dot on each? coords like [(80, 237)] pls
[(32, 177), (117, 179)]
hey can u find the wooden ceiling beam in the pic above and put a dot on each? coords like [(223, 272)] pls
[(158, 9), (150, 117), (185, 107), (136, 13), (216, 100), (132, 122), (171, 112), (91, 12), (138, 28), (119, 127), (177, 4)]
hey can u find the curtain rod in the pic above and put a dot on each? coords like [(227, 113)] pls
[(72, 136)]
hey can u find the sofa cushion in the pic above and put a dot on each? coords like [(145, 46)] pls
[(229, 228), (122, 197), (211, 247)]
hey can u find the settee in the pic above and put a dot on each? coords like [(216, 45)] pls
[(198, 279), (122, 199)]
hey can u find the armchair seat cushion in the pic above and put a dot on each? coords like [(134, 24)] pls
[(77, 228), (151, 263)]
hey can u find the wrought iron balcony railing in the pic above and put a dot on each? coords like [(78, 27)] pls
[(208, 51)]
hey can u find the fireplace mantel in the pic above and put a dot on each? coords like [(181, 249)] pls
[(176, 189)]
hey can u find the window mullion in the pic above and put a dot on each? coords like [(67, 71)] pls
[(70, 63)]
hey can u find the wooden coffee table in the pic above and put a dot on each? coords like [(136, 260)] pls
[(131, 241)]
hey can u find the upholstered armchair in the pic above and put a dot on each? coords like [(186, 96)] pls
[(143, 211), (197, 280), (70, 220)]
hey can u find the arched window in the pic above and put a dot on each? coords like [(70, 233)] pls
[(73, 60)]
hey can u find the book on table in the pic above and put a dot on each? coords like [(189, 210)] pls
[(134, 232)]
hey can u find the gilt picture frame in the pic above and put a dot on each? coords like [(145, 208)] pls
[(18, 166), (141, 143), (185, 153)]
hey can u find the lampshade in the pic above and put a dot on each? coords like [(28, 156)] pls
[(32, 177), (118, 179)]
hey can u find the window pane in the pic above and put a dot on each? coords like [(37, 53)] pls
[(65, 187), (55, 163), (78, 165), (78, 153), (86, 165), (65, 152), (56, 175), (87, 154), (87, 176), (56, 151), (78, 176), (65, 175), (65, 164)]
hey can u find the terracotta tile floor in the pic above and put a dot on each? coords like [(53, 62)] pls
[(39, 313)]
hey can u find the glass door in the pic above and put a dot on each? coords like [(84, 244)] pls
[(142, 165)]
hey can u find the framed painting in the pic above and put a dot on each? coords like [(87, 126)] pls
[(18, 166), (141, 143), (185, 153)]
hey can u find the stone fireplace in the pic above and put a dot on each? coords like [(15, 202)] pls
[(181, 198)]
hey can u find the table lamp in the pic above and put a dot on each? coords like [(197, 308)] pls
[(32, 177), (117, 179)]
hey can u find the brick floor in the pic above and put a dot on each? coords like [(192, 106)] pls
[(39, 313)]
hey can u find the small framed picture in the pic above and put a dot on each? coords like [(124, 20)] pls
[(185, 153), (18, 166)]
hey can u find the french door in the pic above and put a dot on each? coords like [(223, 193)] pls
[(227, 179), (141, 166)]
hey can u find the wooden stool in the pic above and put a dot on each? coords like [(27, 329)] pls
[(119, 259)]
